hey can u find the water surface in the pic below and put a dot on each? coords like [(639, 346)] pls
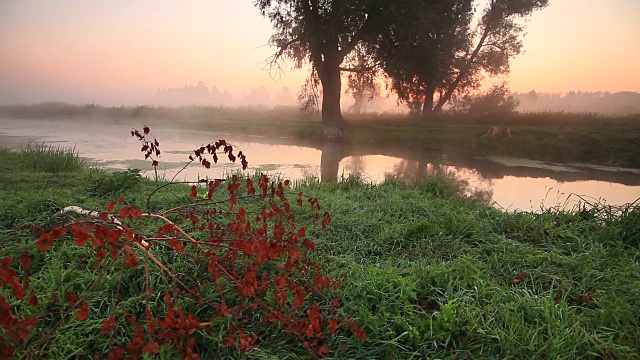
[(509, 182)]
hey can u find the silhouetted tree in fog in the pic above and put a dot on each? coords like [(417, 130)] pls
[(323, 33), (436, 53), (362, 71), (497, 101)]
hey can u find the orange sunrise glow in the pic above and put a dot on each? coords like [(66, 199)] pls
[(121, 52)]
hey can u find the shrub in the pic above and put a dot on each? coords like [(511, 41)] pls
[(48, 158), (230, 268), (110, 184)]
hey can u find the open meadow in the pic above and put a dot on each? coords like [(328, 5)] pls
[(423, 272)]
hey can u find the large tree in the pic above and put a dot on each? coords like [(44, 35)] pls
[(322, 33), (436, 53), (421, 53)]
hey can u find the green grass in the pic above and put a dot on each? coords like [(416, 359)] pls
[(434, 276), (566, 137), (41, 157), (427, 272)]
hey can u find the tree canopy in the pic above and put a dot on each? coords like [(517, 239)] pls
[(434, 51), (323, 33), (426, 47)]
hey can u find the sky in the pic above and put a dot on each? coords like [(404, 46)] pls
[(121, 52)]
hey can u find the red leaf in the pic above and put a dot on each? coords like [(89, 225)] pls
[(167, 298), (194, 192), (58, 231), (176, 244), (104, 216), (323, 350), (120, 200), (19, 291), (45, 240), (116, 353), (146, 129), (6, 262), (100, 255), (81, 241), (25, 261), (130, 258), (23, 327), (155, 163), (250, 189), (130, 235), (279, 282), (70, 297), (108, 325), (297, 302), (309, 244), (228, 341), (326, 219), (111, 206), (167, 229), (151, 348), (33, 299), (333, 326), (247, 342), (83, 312), (81, 233)]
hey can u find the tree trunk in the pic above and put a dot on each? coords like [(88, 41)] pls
[(332, 121), (427, 106), (358, 101), (463, 72), (327, 62)]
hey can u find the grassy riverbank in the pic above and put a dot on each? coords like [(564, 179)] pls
[(566, 137), (425, 271)]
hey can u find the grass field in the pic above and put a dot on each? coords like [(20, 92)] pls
[(427, 272)]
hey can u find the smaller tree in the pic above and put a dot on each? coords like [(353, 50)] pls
[(362, 71), (497, 101), (310, 93)]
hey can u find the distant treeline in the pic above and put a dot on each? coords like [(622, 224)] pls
[(624, 102), (544, 115), (61, 109), (200, 94)]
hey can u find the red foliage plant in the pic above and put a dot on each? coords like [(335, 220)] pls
[(244, 270)]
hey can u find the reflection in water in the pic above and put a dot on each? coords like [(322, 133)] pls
[(332, 153), (410, 170), (511, 183), (357, 165), (469, 180)]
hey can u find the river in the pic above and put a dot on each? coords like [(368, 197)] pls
[(510, 183)]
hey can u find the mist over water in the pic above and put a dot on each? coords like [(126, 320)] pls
[(510, 183)]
